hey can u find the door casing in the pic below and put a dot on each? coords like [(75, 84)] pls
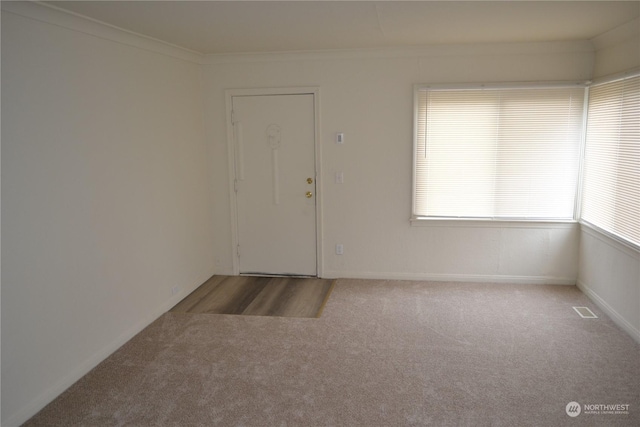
[(231, 154)]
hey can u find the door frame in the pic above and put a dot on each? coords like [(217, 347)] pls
[(231, 164)]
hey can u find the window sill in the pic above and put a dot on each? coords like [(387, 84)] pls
[(490, 223)]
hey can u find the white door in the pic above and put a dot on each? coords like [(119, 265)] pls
[(274, 138)]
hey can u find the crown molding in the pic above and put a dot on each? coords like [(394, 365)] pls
[(53, 15), (406, 52)]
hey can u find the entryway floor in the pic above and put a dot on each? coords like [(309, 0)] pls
[(259, 296)]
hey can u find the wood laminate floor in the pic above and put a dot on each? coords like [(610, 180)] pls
[(259, 296)]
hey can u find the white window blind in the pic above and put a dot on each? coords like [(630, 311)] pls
[(611, 195), (497, 153)]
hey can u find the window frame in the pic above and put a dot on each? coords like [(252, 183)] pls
[(422, 221), (588, 226)]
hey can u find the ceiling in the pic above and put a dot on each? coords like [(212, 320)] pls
[(214, 27)]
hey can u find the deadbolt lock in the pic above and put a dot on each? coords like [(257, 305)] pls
[(309, 180)]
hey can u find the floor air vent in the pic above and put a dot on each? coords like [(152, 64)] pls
[(585, 313)]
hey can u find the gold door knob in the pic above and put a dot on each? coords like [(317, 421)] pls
[(309, 180), (309, 194)]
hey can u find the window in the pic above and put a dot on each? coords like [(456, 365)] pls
[(611, 194), (497, 153)]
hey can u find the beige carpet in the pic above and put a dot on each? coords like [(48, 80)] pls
[(382, 354)]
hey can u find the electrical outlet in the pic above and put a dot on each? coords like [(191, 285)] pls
[(339, 249), (175, 290)]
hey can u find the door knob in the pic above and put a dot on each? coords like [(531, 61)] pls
[(309, 194), (309, 180)]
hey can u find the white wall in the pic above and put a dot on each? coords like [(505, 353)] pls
[(609, 273), (368, 95), (617, 50), (105, 197)]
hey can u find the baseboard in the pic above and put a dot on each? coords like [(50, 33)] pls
[(482, 278), (51, 393), (617, 318)]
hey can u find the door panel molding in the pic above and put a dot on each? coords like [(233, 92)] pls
[(233, 157)]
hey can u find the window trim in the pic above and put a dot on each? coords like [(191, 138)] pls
[(420, 220)]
